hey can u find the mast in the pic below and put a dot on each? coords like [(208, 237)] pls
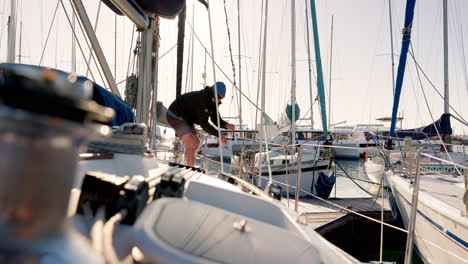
[(330, 73), (240, 65), (264, 63), (73, 47), (391, 45), (115, 46), (406, 40), (446, 73), (12, 33), (192, 37), (293, 72), (309, 62), (318, 63), (180, 50), (20, 41)]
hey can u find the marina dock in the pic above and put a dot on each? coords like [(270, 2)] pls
[(318, 213)]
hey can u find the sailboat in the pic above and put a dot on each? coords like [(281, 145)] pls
[(130, 205), (432, 205), (310, 170)]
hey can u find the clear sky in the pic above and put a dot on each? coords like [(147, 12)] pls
[(361, 64)]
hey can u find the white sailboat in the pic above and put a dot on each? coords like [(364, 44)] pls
[(186, 216), (310, 170), (432, 205)]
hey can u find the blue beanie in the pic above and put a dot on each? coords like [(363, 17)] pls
[(221, 89)]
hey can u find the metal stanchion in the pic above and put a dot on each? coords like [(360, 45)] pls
[(414, 206), (298, 183)]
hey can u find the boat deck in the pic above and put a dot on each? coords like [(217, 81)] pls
[(447, 188), (317, 213)]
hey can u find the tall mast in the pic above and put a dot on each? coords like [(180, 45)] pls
[(115, 46), (191, 54), (309, 62), (180, 50), (293, 72), (20, 41), (265, 28), (447, 139), (12, 33), (330, 73), (73, 47), (318, 63), (406, 40), (446, 73), (240, 65), (391, 45)]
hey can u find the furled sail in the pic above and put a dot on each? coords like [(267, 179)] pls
[(441, 126)]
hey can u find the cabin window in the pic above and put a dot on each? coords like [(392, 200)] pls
[(300, 136)]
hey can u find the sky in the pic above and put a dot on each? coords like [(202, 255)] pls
[(361, 70)]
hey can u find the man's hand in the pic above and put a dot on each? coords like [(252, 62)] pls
[(224, 140), (230, 126)]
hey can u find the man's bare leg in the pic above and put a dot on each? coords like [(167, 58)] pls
[(191, 142)]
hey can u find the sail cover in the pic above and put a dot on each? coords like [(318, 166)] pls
[(442, 126), (123, 111)]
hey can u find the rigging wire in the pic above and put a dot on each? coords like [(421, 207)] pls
[(434, 87), (217, 66), (76, 37), (87, 43), (130, 52), (462, 46), (95, 28), (48, 34), (430, 113), (230, 52)]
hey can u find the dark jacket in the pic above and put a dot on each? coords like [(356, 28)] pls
[(196, 107)]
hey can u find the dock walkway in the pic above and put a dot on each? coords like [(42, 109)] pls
[(317, 213)]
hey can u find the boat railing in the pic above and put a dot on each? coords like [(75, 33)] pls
[(460, 170), (248, 182)]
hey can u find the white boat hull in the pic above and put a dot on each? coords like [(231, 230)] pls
[(287, 178), (441, 230), (375, 172)]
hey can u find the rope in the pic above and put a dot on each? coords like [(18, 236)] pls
[(366, 191)]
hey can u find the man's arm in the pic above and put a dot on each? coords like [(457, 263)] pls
[(209, 128), (214, 120)]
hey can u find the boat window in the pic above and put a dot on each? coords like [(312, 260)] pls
[(300, 136)]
